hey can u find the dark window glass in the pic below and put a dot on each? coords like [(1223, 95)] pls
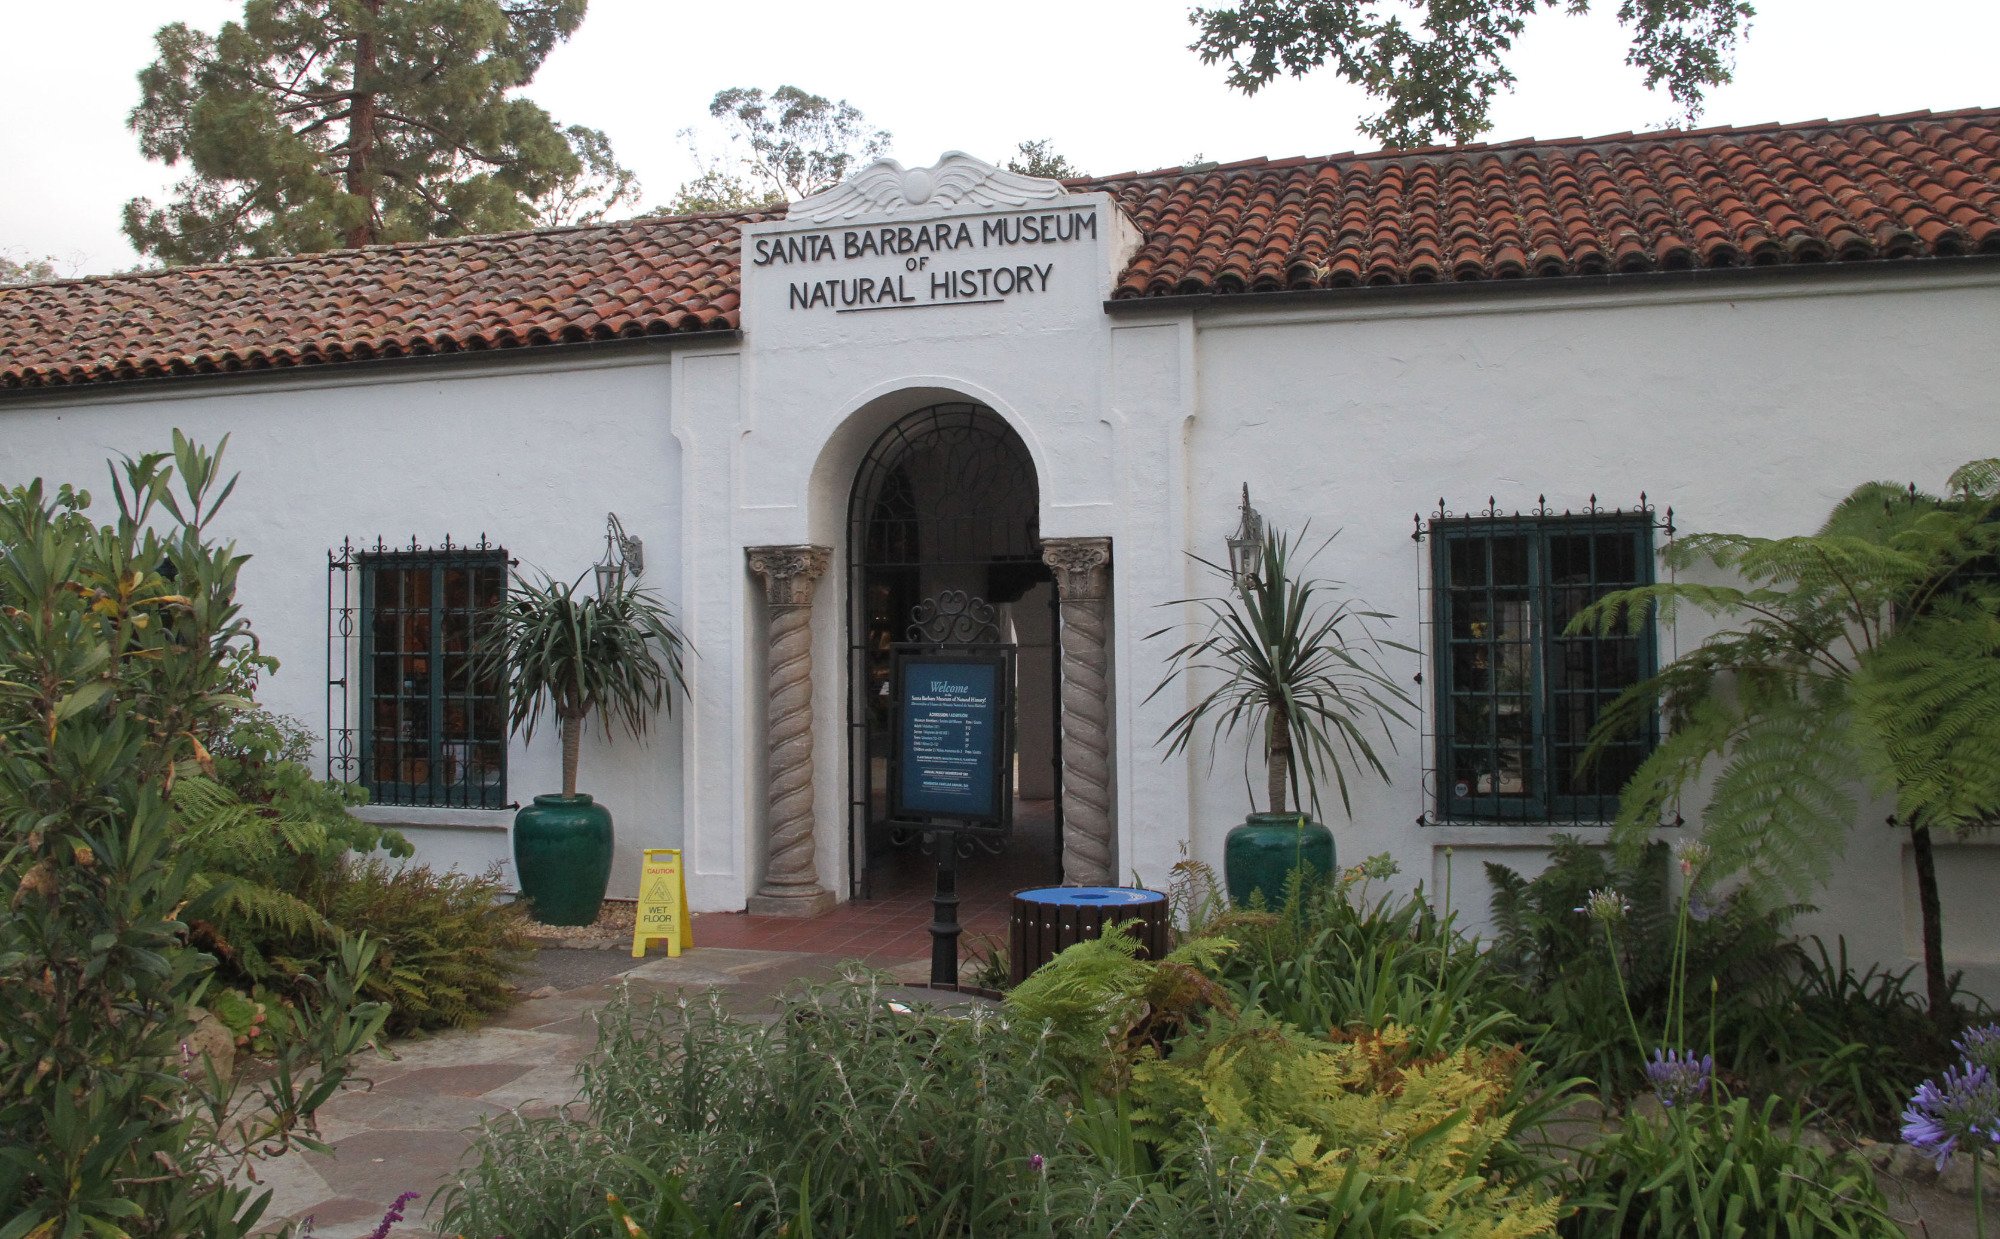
[(433, 720), (1517, 698)]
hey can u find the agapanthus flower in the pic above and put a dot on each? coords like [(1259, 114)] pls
[(1605, 905), (393, 1216), (1981, 1047), (1964, 1106), (1678, 1077), (1692, 855)]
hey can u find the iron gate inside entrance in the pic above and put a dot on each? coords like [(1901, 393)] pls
[(945, 502)]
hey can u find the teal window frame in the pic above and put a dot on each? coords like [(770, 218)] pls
[(1499, 654), (438, 716)]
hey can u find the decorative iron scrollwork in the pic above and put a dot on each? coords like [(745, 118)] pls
[(954, 617)]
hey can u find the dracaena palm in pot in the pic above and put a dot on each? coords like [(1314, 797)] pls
[(1286, 661), (616, 655)]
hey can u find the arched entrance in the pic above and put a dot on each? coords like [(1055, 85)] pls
[(946, 502)]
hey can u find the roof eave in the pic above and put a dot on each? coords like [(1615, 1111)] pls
[(1700, 277), (368, 367)]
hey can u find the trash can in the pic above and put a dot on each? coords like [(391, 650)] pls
[(1046, 919)]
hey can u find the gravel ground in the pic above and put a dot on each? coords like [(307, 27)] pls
[(610, 931)]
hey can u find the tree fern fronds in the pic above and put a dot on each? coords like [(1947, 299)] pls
[(1932, 696), (1976, 479), (1783, 784)]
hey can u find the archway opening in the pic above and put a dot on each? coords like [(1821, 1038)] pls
[(946, 502)]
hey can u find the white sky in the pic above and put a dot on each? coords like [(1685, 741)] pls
[(1110, 81)]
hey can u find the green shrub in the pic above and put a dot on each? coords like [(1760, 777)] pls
[(110, 672), (845, 1114), (448, 944), (1855, 1045), (1731, 1170), (1738, 966), (1331, 960)]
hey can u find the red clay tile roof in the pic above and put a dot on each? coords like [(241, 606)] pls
[(1915, 186), (563, 286)]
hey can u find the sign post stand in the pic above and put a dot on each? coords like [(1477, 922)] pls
[(952, 768)]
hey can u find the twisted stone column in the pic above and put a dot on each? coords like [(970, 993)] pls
[(791, 884), (1083, 584)]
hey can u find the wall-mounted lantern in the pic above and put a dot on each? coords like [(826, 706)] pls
[(1246, 545), (622, 554)]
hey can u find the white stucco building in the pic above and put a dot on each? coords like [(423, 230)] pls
[(1050, 396)]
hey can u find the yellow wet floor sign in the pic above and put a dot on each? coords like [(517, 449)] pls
[(663, 904)]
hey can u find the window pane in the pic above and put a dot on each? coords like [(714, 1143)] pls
[(1510, 560), (434, 728), (1468, 561), (1523, 697)]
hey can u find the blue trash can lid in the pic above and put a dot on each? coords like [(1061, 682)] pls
[(1091, 896)]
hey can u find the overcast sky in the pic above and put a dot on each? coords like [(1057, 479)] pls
[(1111, 82)]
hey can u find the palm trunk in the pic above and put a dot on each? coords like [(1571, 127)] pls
[(1931, 912), (572, 746), (1278, 761)]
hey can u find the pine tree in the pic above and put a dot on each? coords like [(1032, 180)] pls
[(1870, 648), (313, 124)]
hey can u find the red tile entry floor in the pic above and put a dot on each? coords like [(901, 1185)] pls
[(894, 926)]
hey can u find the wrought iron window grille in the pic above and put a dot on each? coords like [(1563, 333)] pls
[(1479, 800), (410, 713)]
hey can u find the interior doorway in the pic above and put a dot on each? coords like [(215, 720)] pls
[(945, 513)]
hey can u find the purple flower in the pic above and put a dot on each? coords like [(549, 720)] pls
[(1981, 1047), (1035, 1161), (1678, 1077), (1965, 1106), (393, 1216)]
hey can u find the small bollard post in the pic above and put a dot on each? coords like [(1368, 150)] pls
[(944, 911)]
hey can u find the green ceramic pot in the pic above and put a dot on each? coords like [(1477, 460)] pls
[(1259, 855), (562, 854)]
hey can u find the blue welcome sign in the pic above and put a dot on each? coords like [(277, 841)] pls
[(954, 759)]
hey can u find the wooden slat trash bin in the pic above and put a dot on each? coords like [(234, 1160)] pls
[(1048, 918)]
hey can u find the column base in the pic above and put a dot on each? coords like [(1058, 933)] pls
[(806, 902)]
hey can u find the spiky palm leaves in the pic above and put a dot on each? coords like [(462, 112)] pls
[(618, 656), (1869, 648), (1294, 665)]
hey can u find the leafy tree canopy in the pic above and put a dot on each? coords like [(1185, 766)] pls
[(795, 143), (312, 124), (1437, 64), (25, 270), (1040, 158)]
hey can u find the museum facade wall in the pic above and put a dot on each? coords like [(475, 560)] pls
[(1750, 403)]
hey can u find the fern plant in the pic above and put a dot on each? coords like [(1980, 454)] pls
[(1871, 646), (1103, 1006)]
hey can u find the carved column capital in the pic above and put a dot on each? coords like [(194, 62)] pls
[(791, 573), (1082, 567)]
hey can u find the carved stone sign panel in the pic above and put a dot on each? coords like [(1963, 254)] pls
[(961, 233)]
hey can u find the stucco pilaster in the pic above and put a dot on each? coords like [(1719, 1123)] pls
[(1083, 586), (791, 885)]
